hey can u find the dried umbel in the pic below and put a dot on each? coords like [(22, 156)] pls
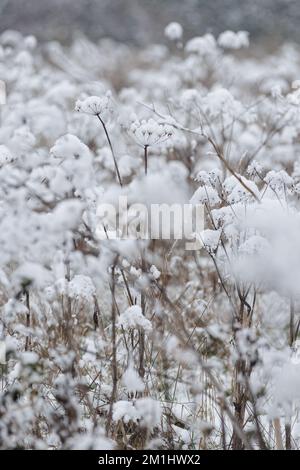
[(150, 133), (94, 105)]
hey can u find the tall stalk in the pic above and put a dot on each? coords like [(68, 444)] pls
[(111, 149)]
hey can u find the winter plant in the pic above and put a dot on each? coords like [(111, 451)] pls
[(109, 343)]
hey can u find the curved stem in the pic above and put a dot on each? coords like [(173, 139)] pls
[(111, 149)]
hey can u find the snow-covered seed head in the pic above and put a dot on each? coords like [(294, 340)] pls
[(94, 105), (232, 40), (150, 132), (174, 31)]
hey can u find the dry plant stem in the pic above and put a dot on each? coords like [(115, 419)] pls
[(240, 401), (292, 322), (223, 430), (98, 320), (223, 403), (68, 316), (146, 158), (111, 149), (245, 393), (297, 329), (130, 299), (239, 389), (143, 296), (228, 167), (223, 286), (114, 351), (261, 440), (293, 337), (278, 436), (27, 342), (141, 333), (288, 436), (287, 427), (211, 141)]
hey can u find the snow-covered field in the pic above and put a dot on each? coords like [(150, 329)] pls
[(109, 343)]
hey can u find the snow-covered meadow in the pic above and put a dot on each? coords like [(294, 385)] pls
[(143, 344)]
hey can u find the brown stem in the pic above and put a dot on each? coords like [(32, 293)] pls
[(98, 321), (211, 141), (223, 430), (228, 167), (146, 158), (292, 322), (114, 351), (27, 343), (288, 436), (278, 436), (142, 334), (223, 402)]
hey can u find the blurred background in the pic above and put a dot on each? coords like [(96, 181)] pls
[(143, 21)]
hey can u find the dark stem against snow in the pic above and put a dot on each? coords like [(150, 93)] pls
[(146, 158), (27, 343), (114, 368), (111, 148)]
